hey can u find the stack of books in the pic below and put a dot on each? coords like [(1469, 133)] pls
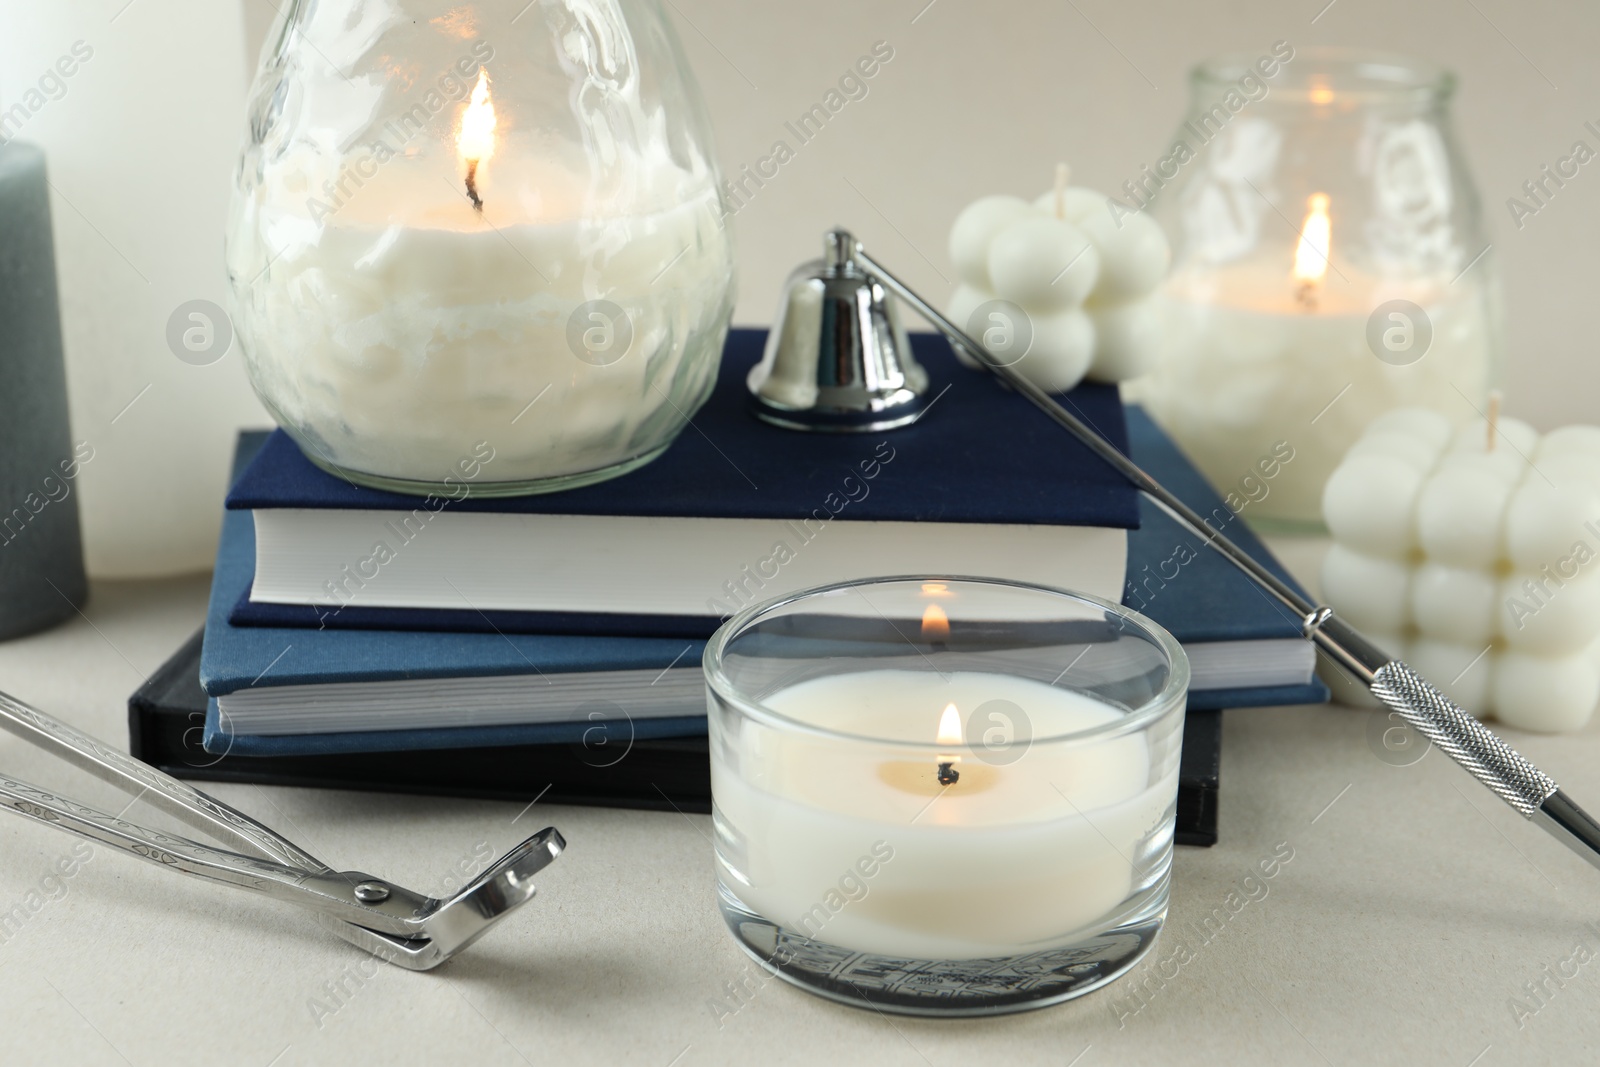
[(498, 647)]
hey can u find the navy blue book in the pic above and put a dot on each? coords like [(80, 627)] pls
[(293, 691), (733, 512), (1238, 637), (1244, 650), (667, 774)]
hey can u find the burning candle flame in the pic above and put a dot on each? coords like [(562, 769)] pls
[(1311, 254), (475, 141), (950, 726), (949, 734), (935, 623)]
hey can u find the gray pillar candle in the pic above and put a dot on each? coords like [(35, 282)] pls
[(41, 552)]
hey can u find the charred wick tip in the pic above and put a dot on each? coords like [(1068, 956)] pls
[(472, 186)]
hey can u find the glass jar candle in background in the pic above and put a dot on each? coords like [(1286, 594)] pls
[(1330, 263), (944, 796), (487, 229)]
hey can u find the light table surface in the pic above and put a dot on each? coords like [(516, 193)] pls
[(1417, 910)]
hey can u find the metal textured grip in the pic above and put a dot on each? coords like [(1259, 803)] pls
[(1463, 738)]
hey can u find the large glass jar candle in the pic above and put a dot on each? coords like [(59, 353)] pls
[(1330, 264), (944, 796), (479, 237)]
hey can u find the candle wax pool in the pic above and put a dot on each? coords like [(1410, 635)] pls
[(1014, 857), (395, 332), (1249, 365)]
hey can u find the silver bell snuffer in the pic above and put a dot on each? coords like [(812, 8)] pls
[(839, 360)]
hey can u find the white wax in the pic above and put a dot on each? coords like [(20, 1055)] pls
[(975, 229), (1043, 263), (1025, 857), (1082, 281), (409, 327), (1375, 590), (1484, 567), (1246, 365), (1127, 338)]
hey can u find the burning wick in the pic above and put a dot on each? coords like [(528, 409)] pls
[(1311, 254), (475, 142), (949, 734)]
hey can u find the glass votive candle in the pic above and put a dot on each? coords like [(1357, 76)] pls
[(944, 796), (1330, 263), (479, 241)]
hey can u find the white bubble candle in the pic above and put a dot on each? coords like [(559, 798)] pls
[(1474, 554), (1062, 287)]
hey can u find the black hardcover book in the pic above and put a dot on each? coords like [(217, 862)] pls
[(166, 717)]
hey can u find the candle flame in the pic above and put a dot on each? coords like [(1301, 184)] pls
[(475, 142), (1321, 94), (950, 726), (935, 623), (1311, 254)]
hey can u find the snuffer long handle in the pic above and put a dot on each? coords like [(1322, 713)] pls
[(1480, 751), (1483, 753)]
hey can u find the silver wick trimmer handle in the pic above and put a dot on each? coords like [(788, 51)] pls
[(1460, 736)]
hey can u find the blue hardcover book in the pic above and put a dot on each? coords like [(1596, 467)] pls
[(986, 458), (1244, 648), (733, 512), (295, 691)]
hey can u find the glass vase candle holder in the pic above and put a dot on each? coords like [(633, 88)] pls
[(1330, 263), (479, 242), (944, 796)]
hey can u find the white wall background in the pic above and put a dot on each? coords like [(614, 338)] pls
[(980, 97), (140, 140)]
